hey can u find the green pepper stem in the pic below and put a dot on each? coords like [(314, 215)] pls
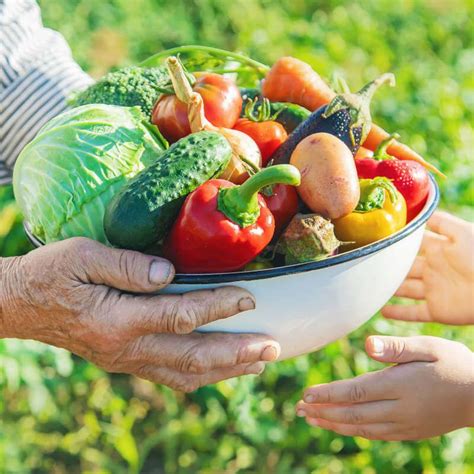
[(372, 194), (240, 203), (380, 153), (359, 106)]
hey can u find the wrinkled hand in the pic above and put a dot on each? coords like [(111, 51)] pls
[(442, 275), (90, 299), (429, 392)]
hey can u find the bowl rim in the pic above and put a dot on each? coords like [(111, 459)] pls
[(249, 275)]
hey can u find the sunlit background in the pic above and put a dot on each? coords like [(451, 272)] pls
[(60, 414)]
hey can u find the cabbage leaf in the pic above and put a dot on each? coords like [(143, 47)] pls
[(79, 160)]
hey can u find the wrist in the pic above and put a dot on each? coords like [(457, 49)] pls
[(10, 299), (470, 396)]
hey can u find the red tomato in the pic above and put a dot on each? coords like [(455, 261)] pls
[(222, 106), (268, 135), (283, 204), (221, 97)]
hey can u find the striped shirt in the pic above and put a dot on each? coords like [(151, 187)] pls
[(37, 74)]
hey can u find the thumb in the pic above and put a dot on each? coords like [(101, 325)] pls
[(121, 269), (402, 349)]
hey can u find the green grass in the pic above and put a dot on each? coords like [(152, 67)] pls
[(61, 414)]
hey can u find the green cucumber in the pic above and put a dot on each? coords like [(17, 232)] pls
[(142, 213), (289, 115)]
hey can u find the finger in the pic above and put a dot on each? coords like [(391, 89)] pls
[(411, 288), (445, 224), (402, 349), (431, 241), (180, 314), (352, 414), (189, 382), (418, 267), (374, 386), (382, 431), (407, 312), (202, 353), (121, 269)]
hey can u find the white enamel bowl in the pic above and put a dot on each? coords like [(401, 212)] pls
[(306, 306)]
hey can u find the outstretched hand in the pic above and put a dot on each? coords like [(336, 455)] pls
[(98, 302), (442, 275), (429, 392)]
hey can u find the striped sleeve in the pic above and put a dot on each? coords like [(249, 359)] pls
[(37, 75)]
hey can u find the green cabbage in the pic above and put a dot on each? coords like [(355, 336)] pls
[(79, 160)]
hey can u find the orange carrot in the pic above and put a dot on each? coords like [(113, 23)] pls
[(292, 80), (398, 150)]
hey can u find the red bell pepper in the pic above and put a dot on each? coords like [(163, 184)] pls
[(282, 200), (222, 227), (409, 177)]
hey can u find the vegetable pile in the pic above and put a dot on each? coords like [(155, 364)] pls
[(220, 164)]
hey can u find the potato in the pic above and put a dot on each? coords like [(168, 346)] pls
[(329, 183)]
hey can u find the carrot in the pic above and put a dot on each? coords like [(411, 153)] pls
[(398, 150), (292, 80)]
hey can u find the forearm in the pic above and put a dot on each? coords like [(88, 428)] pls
[(10, 297)]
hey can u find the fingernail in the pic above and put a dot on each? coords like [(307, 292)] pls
[(270, 353), (160, 272), (377, 345), (257, 368), (300, 413), (246, 304), (309, 398)]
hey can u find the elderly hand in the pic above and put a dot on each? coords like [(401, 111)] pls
[(92, 300), (429, 392), (442, 275)]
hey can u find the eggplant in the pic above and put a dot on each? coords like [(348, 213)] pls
[(347, 117)]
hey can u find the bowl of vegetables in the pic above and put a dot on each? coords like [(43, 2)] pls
[(239, 174)]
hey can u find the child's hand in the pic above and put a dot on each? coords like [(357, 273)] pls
[(442, 275), (429, 392)]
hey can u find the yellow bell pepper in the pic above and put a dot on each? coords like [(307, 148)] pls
[(381, 212)]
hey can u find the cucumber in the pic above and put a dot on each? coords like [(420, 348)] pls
[(290, 115), (142, 213)]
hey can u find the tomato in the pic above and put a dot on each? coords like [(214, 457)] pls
[(283, 204), (222, 106), (268, 135), (222, 99)]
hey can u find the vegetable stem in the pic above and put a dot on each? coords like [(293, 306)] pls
[(153, 60), (240, 203), (380, 153), (180, 82)]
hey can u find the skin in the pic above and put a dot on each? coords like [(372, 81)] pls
[(430, 390), (99, 303), (443, 273)]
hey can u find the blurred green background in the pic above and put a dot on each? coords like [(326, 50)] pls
[(60, 414)]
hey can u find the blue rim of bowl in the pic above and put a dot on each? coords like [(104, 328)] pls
[(213, 278)]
